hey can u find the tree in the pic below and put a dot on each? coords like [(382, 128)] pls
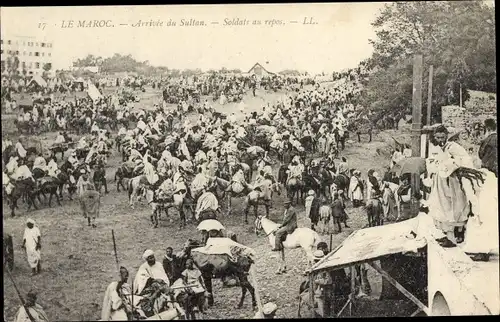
[(456, 37)]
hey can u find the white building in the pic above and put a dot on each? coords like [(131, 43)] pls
[(33, 53)]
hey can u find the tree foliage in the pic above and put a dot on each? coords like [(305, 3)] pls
[(456, 37)]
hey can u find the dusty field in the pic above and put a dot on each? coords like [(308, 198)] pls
[(78, 263)]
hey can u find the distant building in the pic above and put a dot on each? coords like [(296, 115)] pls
[(33, 53), (259, 71)]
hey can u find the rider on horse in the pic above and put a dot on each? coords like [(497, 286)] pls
[(287, 227)]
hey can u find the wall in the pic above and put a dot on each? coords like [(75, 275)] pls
[(477, 108)]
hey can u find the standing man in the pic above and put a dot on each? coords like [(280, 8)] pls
[(356, 189), (450, 194), (314, 209), (32, 245), (116, 305), (31, 311), (488, 149), (89, 198), (169, 264), (287, 227)]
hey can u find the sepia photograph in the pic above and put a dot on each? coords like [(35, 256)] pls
[(249, 161)]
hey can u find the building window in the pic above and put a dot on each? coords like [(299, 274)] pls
[(9, 42), (17, 52), (37, 53), (2, 51), (37, 65), (43, 44), (31, 53)]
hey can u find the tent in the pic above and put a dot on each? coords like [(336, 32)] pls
[(366, 246), (93, 92), (38, 80)]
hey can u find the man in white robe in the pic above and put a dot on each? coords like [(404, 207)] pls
[(32, 244), (22, 173), (60, 139), (117, 305), (448, 199), (20, 149), (12, 165), (149, 269), (40, 163)]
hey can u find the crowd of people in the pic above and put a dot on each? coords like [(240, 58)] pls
[(187, 159)]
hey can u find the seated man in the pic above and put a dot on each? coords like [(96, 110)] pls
[(294, 171), (39, 166), (23, 173), (238, 177), (287, 227), (165, 191)]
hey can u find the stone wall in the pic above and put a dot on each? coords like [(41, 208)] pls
[(479, 107)]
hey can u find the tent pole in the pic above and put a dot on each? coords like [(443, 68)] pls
[(311, 293), (353, 289)]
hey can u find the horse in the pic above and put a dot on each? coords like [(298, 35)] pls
[(48, 185), (20, 189), (222, 268), (303, 237), (125, 171), (374, 212), (237, 190), (177, 201), (256, 198), (294, 187)]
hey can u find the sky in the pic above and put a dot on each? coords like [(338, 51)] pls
[(337, 39)]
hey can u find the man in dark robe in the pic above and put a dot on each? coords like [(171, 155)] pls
[(488, 149)]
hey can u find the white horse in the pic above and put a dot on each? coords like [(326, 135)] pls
[(303, 237)]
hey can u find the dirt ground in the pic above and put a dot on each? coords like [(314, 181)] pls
[(78, 261)]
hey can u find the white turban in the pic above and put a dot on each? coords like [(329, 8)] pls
[(147, 253)]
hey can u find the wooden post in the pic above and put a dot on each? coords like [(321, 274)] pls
[(353, 289), (403, 290), (311, 294), (460, 94), (429, 95), (416, 126), (417, 105)]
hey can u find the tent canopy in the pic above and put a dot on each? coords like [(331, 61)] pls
[(370, 244), (38, 80)]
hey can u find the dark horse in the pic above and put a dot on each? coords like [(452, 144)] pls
[(21, 189)]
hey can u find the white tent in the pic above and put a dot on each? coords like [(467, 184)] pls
[(39, 80), (93, 92)]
